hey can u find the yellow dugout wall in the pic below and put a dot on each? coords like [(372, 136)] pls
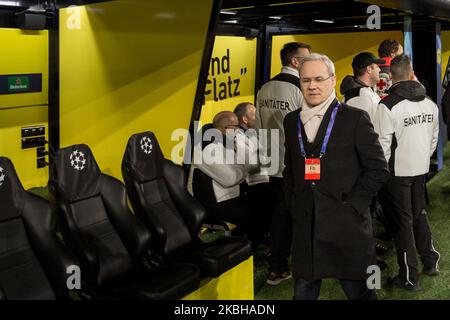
[(126, 67), (23, 52), (339, 47), (445, 37), (231, 77)]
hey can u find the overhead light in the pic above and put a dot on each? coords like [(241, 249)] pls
[(231, 21), (227, 12), (324, 21), (10, 3), (275, 17)]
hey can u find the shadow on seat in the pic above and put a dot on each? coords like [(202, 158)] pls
[(108, 239), (33, 261), (157, 192)]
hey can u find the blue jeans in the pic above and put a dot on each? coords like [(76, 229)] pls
[(354, 290)]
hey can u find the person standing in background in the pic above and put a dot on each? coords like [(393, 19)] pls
[(274, 100), (387, 51), (408, 128)]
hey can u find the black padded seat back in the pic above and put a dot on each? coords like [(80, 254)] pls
[(143, 170), (76, 173), (165, 214), (11, 191), (144, 157), (79, 182), (97, 230), (21, 274)]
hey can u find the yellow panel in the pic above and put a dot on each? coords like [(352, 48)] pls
[(129, 66), (235, 284), (445, 37), (339, 47), (231, 75), (11, 120), (24, 52)]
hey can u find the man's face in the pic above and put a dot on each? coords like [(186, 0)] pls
[(316, 83), (230, 123), (399, 51), (374, 71), (250, 117), (301, 53)]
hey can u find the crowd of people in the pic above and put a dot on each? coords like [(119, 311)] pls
[(342, 167)]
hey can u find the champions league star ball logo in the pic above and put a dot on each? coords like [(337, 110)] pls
[(146, 145), (2, 176), (78, 160)]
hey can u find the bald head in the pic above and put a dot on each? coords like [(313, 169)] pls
[(225, 120)]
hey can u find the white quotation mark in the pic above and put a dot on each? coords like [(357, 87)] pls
[(77, 160), (2, 176), (146, 145)]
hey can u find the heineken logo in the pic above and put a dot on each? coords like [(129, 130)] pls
[(16, 84)]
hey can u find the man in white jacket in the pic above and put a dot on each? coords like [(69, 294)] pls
[(255, 188), (276, 98), (216, 180), (408, 128), (358, 90)]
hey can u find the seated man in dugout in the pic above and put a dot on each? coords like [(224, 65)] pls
[(255, 188), (215, 179)]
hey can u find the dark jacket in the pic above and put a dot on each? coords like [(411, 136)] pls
[(332, 228), (350, 83)]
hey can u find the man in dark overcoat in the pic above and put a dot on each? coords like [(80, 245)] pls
[(334, 166)]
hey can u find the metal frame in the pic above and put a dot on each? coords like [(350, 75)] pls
[(203, 76), (53, 87)]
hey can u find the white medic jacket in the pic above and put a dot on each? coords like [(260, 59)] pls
[(357, 94), (274, 101), (408, 127), (247, 151), (223, 169)]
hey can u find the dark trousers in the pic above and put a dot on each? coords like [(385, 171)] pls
[(403, 199), (259, 197), (354, 290), (280, 229), (239, 212)]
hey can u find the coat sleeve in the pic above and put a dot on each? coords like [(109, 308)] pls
[(374, 170), (287, 172), (384, 124), (216, 167), (258, 124), (435, 138)]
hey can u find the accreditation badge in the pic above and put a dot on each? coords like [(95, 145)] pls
[(312, 169)]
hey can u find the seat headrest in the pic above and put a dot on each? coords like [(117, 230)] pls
[(144, 156), (12, 193), (76, 173)]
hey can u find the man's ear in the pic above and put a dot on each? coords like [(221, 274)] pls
[(333, 80), (295, 63)]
